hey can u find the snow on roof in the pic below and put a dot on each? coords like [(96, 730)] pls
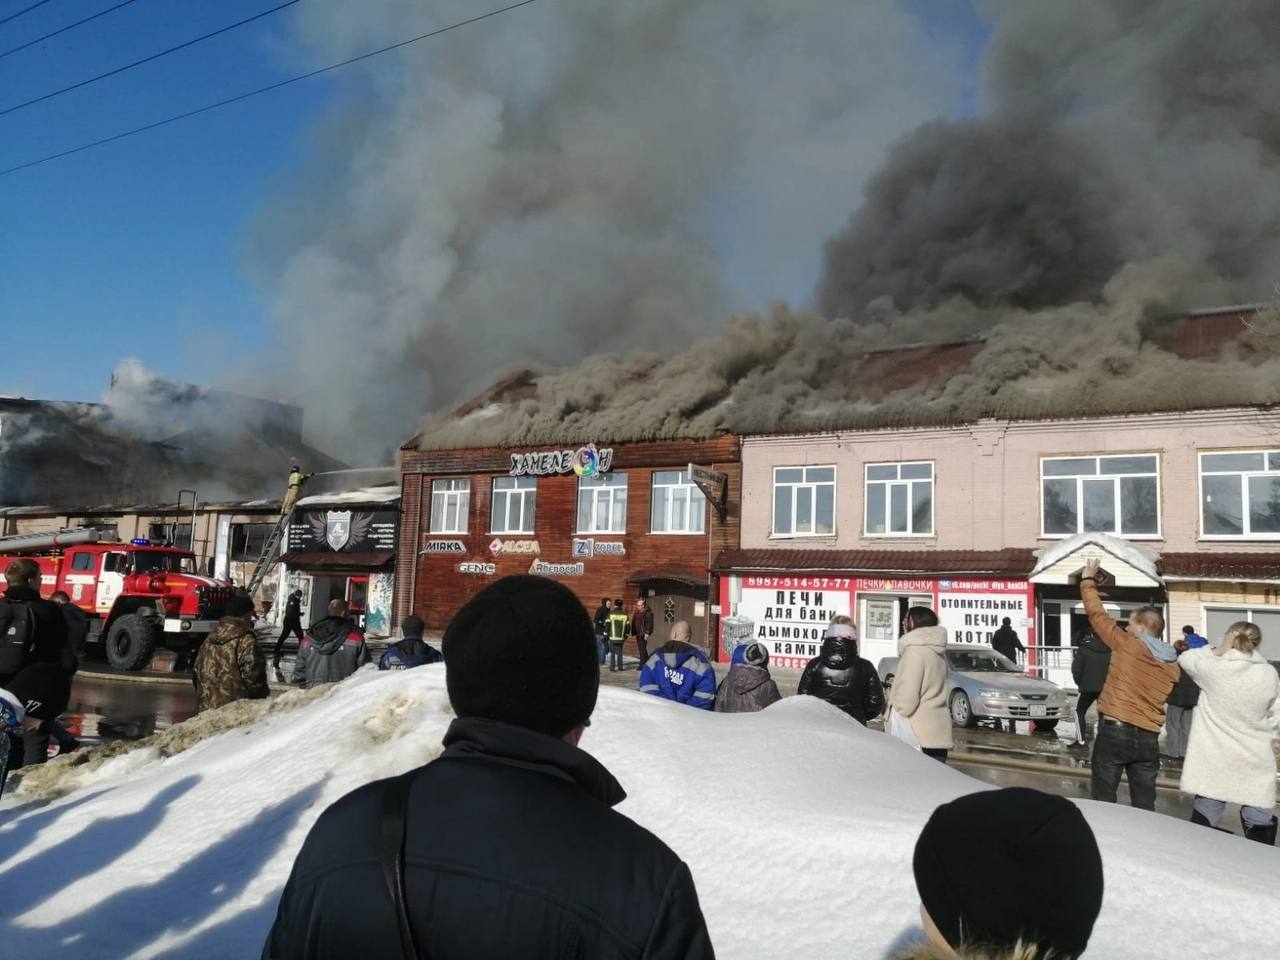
[(383, 493), (799, 804), (1142, 559)]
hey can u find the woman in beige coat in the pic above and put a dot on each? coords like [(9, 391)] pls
[(920, 688)]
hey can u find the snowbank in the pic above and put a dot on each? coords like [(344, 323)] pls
[(798, 824)]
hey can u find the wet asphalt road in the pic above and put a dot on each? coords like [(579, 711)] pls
[(110, 709)]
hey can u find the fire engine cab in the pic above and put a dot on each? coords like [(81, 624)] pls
[(138, 595)]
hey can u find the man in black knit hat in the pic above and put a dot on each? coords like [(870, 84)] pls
[(1039, 836), (509, 845)]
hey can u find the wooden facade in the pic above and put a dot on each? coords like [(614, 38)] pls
[(670, 570)]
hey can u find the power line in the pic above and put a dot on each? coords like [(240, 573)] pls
[(154, 56), (69, 26), (260, 90), (17, 13)]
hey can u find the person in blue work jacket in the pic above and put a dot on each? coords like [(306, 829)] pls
[(680, 671)]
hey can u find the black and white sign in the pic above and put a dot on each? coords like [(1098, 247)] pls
[(443, 546), (343, 531), (482, 569), (541, 568), (585, 548)]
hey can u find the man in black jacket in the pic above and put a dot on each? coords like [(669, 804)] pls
[(1005, 641), (1089, 669), (841, 677), (291, 623), (511, 848), (32, 630)]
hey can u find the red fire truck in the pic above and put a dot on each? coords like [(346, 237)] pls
[(138, 595)]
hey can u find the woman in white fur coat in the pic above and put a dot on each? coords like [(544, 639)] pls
[(1229, 756)]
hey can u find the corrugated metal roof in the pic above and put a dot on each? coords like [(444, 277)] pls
[(1013, 562), (1220, 566)]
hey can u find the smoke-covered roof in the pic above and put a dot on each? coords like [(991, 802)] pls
[(796, 373)]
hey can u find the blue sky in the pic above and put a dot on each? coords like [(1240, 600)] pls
[(136, 249)]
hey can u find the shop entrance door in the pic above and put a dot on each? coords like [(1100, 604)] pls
[(358, 599), (672, 602), (880, 623)]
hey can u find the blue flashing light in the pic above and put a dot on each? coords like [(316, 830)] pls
[(140, 542)]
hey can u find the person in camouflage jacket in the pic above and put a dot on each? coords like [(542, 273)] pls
[(229, 665)]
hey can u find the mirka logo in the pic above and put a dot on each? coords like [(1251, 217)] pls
[(443, 546)]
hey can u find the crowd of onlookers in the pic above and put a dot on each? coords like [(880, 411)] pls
[(513, 821)]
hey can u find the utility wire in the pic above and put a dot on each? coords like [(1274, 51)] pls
[(69, 26), (17, 13), (154, 56), (253, 93)]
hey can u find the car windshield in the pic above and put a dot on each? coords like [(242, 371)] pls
[(981, 661), (155, 561)]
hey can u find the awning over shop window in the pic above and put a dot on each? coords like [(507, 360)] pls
[(324, 560), (676, 576), (1002, 563)]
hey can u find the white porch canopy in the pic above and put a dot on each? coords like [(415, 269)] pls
[(1127, 564)]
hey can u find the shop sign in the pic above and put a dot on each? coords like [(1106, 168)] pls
[(343, 531), (585, 548), (513, 548), (868, 585), (484, 569), (788, 619), (585, 462), (540, 568), (712, 483), (443, 546), (972, 611)]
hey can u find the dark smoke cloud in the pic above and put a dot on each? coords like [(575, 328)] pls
[(1116, 132), (547, 185)]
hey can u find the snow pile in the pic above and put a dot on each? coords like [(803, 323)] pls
[(1135, 555), (798, 824)]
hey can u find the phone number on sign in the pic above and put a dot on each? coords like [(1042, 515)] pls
[(800, 583)]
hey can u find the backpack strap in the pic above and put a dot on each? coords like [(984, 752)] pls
[(392, 829)]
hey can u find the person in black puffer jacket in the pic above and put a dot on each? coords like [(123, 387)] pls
[(1089, 670), (841, 677)]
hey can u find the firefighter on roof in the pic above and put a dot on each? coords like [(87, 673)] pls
[(296, 479)]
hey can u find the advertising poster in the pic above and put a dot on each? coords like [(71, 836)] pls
[(786, 614)]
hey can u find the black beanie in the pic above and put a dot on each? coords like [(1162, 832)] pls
[(43, 689), (1035, 848), (523, 652), (239, 605)]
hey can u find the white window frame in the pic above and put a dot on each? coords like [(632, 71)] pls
[(1244, 494), (1248, 606), (459, 496), (696, 499), (909, 484), (1115, 478), (604, 487), (834, 483), (525, 488)]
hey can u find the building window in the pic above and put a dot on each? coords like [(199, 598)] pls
[(1217, 619), (804, 501), (158, 532), (182, 536), (450, 503), (1118, 495), (514, 499), (678, 505), (602, 504), (899, 498), (1240, 494), (248, 539)]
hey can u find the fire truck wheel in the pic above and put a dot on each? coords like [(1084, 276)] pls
[(131, 642)]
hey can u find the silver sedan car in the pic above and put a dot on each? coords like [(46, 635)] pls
[(988, 686)]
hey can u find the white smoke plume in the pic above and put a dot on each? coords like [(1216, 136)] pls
[(569, 178)]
